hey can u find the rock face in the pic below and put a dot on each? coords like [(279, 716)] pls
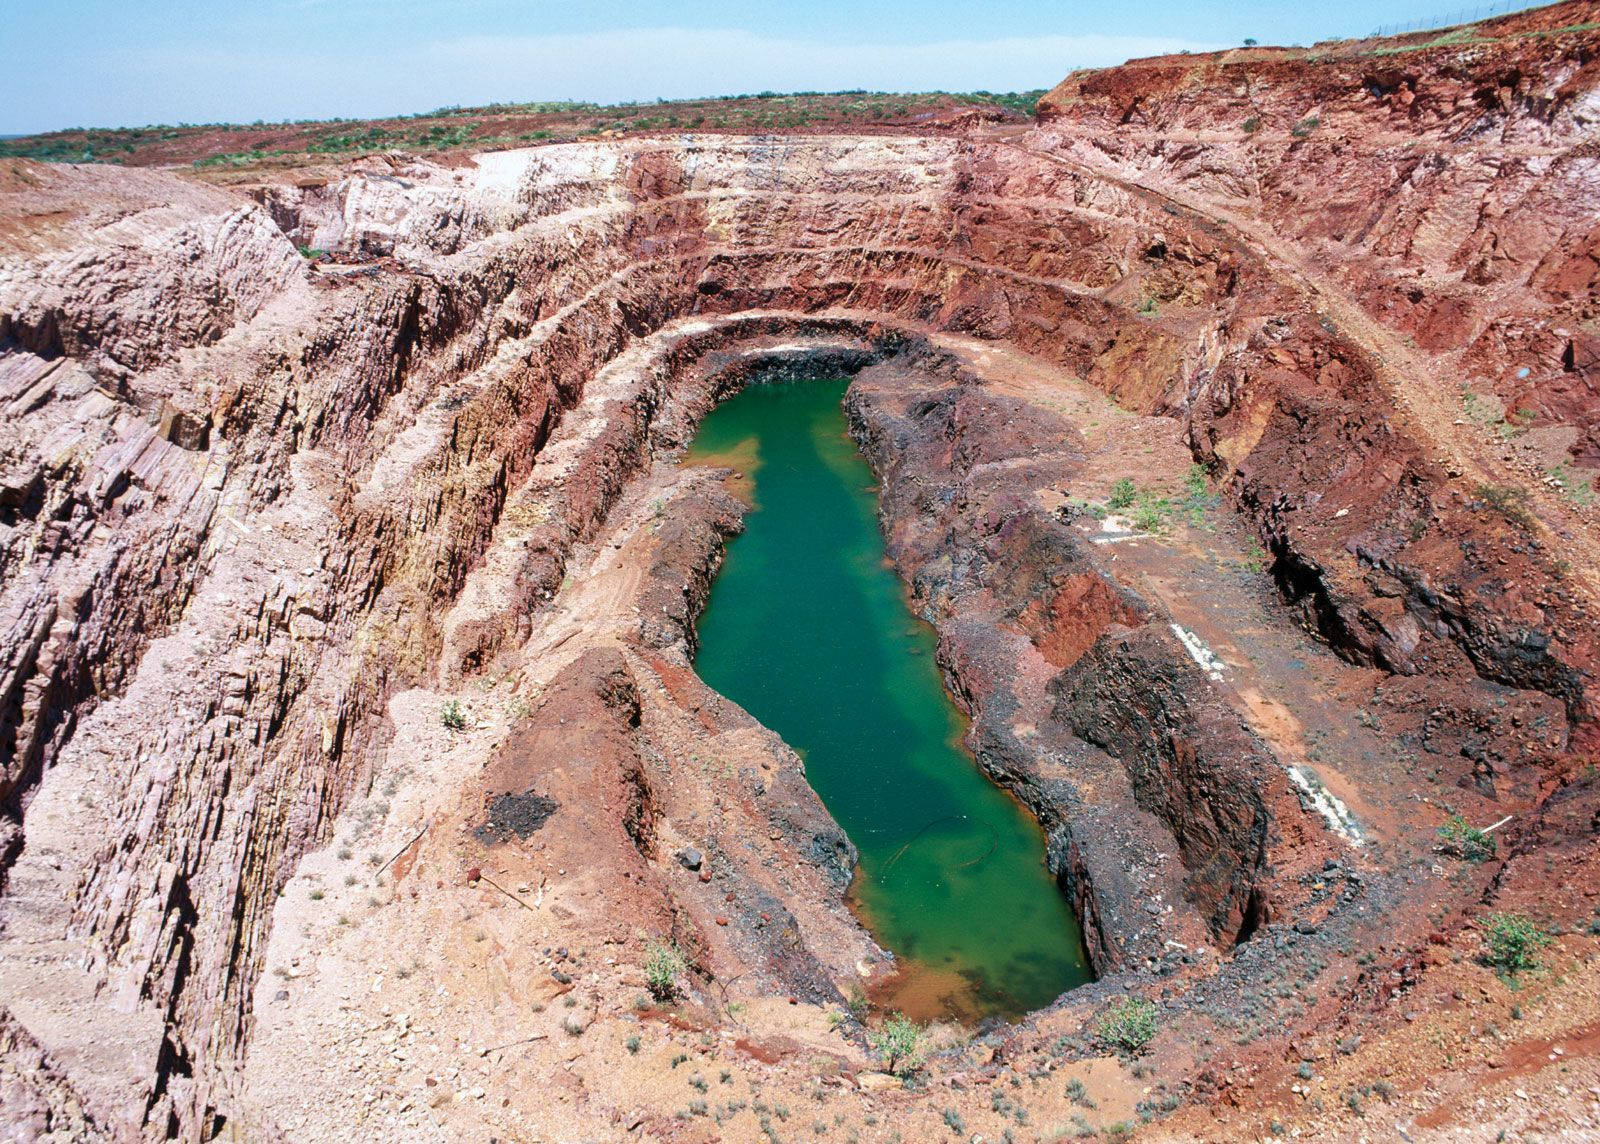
[(1427, 194), (257, 513)]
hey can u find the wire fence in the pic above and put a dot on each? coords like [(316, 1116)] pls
[(1460, 16)]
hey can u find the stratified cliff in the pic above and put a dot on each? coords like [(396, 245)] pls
[(263, 516)]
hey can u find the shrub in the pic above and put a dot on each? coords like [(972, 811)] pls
[(1129, 1024), (1513, 942), (1252, 125), (662, 966), (898, 1043), (453, 717), (1150, 515), (1305, 127), (1122, 493), (953, 1120), (1464, 840), (1509, 501)]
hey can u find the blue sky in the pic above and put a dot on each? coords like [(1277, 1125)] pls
[(132, 62)]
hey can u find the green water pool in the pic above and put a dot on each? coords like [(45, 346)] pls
[(808, 628)]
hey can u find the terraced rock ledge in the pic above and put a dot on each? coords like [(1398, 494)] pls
[(1235, 428)]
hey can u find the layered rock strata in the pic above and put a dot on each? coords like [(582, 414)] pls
[(248, 503)]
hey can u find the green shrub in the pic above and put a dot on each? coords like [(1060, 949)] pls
[(1122, 493), (898, 1043), (1129, 1024), (453, 717), (1464, 840), (1512, 943), (663, 965), (1305, 127), (1150, 514)]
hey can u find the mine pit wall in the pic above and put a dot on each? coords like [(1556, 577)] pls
[(1191, 762), (983, 559), (466, 366), (352, 386), (423, 396), (1123, 685), (1446, 188), (1392, 563)]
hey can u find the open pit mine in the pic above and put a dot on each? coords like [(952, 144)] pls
[(1215, 449)]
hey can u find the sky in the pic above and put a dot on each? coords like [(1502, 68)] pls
[(109, 63)]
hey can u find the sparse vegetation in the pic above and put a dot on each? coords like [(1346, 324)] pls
[(1489, 412), (1305, 127), (1152, 511), (1128, 1025), (1512, 943), (1466, 841), (663, 965), (1579, 489), (208, 146), (1509, 501), (453, 717), (898, 1044)]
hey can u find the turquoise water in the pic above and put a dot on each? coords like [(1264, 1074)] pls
[(809, 630)]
